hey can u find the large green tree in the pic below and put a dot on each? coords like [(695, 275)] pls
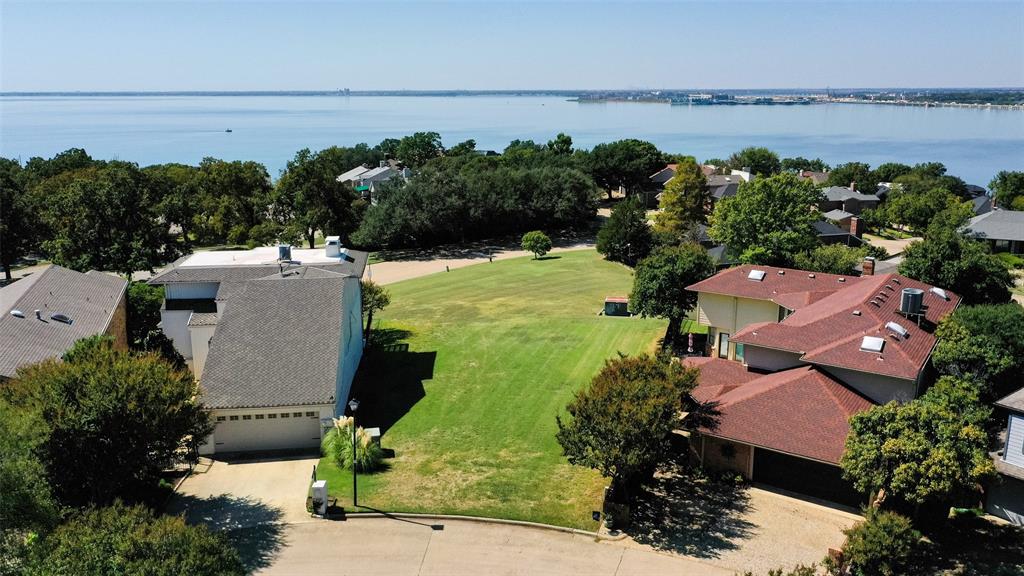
[(130, 540), (930, 450), (660, 281), (415, 150), (17, 230), (114, 419), (769, 220), (947, 259), (857, 173), (234, 198), (831, 259), (374, 299), (684, 201), (800, 164), (107, 219), (178, 193), (308, 197), (628, 163), (625, 237), (27, 506), (1008, 190), (619, 424), (984, 342), (758, 160)]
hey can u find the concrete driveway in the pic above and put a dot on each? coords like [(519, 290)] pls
[(397, 547), (239, 494)]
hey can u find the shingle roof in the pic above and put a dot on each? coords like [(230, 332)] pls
[(842, 194), (88, 299), (794, 288), (184, 273), (837, 215), (801, 411), (723, 185), (829, 331), (277, 344), (203, 319), (998, 225), (353, 174), (1013, 402)]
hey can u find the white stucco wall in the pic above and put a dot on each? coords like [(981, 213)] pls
[(730, 314), (769, 359), (175, 326), (351, 345), (200, 337), (881, 389)]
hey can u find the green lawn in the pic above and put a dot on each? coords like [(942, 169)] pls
[(494, 353)]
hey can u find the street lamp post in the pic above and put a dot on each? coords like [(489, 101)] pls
[(353, 405)]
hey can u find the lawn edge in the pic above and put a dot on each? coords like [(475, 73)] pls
[(486, 520)]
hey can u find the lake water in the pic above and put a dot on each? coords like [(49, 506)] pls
[(973, 143)]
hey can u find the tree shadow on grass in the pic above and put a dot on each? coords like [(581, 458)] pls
[(972, 546), (251, 526), (390, 378), (548, 257), (683, 511)]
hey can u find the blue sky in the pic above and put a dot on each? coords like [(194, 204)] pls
[(239, 45)]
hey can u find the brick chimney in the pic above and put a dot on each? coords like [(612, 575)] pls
[(868, 268), (855, 227)]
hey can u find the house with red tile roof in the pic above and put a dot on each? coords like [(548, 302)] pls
[(794, 354)]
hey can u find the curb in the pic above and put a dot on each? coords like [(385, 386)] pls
[(485, 520)]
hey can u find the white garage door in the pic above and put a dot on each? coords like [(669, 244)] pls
[(282, 430)]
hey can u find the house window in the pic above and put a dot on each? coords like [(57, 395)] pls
[(723, 345), (1002, 245), (285, 415), (247, 417), (259, 416), (311, 414), (271, 416), (221, 418), (297, 414), (233, 418), (739, 352)]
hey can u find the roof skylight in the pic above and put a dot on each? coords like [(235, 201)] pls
[(756, 275), (872, 344)]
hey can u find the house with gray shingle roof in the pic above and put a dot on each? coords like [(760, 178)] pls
[(45, 313), (1002, 229), (846, 199), (273, 336)]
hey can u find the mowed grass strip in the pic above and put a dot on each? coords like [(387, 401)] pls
[(495, 352)]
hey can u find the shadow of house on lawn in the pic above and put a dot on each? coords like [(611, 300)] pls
[(251, 526), (974, 546), (683, 511), (390, 378)]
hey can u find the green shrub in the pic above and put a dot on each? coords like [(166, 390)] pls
[(1011, 260), (337, 444), (800, 570), (884, 544), (536, 242)]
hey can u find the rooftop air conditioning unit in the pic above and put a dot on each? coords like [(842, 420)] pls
[(333, 248)]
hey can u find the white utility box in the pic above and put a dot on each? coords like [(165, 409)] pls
[(320, 497)]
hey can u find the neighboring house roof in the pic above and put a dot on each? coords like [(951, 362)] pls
[(664, 175), (88, 299), (723, 185), (353, 174), (826, 229), (816, 177), (791, 288), (241, 265), (1014, 402), (837, 215), (381, 173), (831, 330), (998, 225), (982, 204), (842, 194), (277, 344), (801, 411)]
